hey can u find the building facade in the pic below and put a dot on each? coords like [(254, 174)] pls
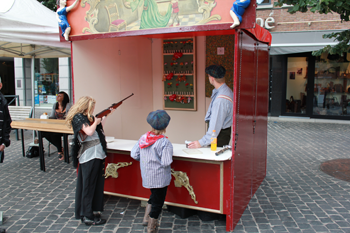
[(301, 84)]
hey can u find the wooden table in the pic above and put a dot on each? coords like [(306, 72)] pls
[(46, 125)]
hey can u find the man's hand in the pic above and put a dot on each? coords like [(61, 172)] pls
[(2, 147), (194, 145)]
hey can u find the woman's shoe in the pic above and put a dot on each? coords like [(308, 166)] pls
[(61, 156), (96, 215), (96, 221)]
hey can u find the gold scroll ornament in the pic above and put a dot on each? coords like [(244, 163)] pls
[(111, 169), (181, 179)]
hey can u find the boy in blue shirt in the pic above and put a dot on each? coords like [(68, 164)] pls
[(154, 151)]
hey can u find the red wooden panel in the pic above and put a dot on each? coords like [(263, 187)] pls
[(260, 137), (129, 181), (227, 182), (243, 157), (203, 177), (246, 101), (205, 180), (251, 92)]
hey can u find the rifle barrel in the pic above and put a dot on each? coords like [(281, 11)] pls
[(126, 97), (107, 109)]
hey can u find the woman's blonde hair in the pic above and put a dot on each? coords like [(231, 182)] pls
[(85, 105)]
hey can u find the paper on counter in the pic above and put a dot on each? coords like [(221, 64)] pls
[(109, 139), (192, 151)]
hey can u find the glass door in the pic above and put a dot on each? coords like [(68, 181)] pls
[(296, 85)]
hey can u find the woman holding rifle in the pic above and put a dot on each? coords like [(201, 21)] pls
[(89, 152)]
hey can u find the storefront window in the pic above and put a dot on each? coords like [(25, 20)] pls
[(331, 86), (46, 81)]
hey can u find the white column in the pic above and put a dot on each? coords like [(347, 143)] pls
[(64, 76), (19, 81)]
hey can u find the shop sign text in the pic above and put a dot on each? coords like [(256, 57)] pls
[(266, 23)]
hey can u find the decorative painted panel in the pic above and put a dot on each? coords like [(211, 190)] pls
[(106, 16)]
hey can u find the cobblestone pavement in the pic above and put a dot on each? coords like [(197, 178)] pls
[(294, 197)]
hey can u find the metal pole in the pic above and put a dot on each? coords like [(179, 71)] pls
[(24, 83), (33, 90)]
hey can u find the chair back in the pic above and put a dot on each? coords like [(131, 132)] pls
[(113, 13)]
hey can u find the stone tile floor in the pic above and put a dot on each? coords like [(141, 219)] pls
[(294, 197)]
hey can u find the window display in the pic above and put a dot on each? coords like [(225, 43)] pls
[(46, 81), (331, 86)]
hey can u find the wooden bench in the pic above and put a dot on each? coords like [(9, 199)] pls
[(19, 113)]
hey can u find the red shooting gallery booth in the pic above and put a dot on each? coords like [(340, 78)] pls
[(114, 57)]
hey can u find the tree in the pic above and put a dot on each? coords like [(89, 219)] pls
[(342, 7), (51, 4), (50, 65)]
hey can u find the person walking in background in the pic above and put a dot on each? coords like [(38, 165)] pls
[(5, 129), (59, 111), (154, 151), (89, 151), (220, 111)]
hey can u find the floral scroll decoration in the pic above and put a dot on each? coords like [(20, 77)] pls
[(91, 15), (205, 7), (111, 169), (181, 179)]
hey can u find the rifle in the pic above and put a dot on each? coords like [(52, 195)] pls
[(104, 113), (114, 106)]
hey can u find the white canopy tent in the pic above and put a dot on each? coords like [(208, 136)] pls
[(30, 30)]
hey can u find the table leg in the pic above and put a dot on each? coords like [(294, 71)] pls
[(41, 154), (66, 149), (23, 149)]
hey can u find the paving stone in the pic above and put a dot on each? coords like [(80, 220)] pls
[(123, 230)]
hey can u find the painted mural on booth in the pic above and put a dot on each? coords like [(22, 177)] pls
[(127, 15)]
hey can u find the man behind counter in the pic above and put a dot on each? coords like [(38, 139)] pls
[(220, 111)]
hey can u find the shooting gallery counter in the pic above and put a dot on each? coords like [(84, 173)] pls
[(197, 176), (201, 180)]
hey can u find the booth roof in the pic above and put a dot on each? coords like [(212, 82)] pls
[(28, 28)]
